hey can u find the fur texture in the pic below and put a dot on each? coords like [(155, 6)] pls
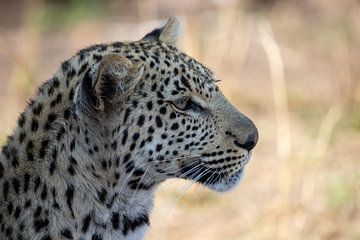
[(113, 123)]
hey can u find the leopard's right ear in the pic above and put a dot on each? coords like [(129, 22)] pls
[(168, 34), (106, 85)]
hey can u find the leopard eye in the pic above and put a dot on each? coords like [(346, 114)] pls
[(186, 103), (182, 103)]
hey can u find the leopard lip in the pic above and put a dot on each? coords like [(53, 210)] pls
[(210, 178), (230, 182)]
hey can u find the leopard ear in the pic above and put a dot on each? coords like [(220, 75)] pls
[(110, 81), (168, 34)]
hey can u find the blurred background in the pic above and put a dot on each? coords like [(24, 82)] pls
[(291, 65)]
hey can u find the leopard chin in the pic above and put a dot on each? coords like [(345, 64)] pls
[(227, 184)]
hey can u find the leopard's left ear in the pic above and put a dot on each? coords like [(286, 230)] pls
[(106, 85), (168, 34)]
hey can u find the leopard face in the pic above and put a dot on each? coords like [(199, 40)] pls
[(168, 117)]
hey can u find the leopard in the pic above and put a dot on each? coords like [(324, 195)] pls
[(114, 122)]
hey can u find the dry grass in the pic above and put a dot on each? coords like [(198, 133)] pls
[(293, 69)]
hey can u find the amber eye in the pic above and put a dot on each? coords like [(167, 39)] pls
[(182, 103), (186, 103)]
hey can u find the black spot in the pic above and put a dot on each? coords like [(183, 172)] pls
[(104, 164), (96, 236), (127, 157), (17, 212), (60, 133), (86, 223), (66, 233), (158, 147), (26, 182), (37, 109), (117, 44), (10, 207), (115, 220), (37, 184), (43, 148), (163, 110), (6, 186), (55, 82), (185, 82), (152, 64), (151, 130), (14, 162), (27, 203), (50, 119), (72, 145), (141, 120), (102, 195), (22, 136), (1, 170), (56, 101), (71, 170), (132, 224), (21, 120), (83, 68), (138, 172), (65, 66), (37, 212), (153, 87), (52, 167), (67, 114), (132, 146), (69, 194), (44, 192), (158, 122), (129, 166), (149, 105), (174, 92), (114, 145), (40, 224), (70, 75), (125, 135), (174, 126), (34, 125), (102, 47), (16, 185), (136, 136), (160, 95), (126, 115)]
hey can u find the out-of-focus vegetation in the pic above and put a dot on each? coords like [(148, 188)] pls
[(64, 14), (292, 66)]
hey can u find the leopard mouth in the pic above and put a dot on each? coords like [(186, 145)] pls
[(215, 180)]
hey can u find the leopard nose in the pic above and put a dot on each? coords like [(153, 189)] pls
[(250, 142)]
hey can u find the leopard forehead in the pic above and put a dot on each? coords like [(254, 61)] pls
[(162, 62)]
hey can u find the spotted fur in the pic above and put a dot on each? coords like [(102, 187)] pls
[(115, 121)]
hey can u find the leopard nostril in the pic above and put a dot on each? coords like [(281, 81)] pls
[(249, 145), (250, 142)]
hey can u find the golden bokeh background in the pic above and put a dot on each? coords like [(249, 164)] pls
[(293, 66)]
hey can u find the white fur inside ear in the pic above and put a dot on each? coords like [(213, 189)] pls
[(171, 31)]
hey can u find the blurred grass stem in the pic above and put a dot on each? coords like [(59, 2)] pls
[(283, 133)]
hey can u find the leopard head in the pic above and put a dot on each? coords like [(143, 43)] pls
[(166, 114)]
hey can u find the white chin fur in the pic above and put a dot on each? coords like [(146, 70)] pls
[(228, 184), (232, 182)]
